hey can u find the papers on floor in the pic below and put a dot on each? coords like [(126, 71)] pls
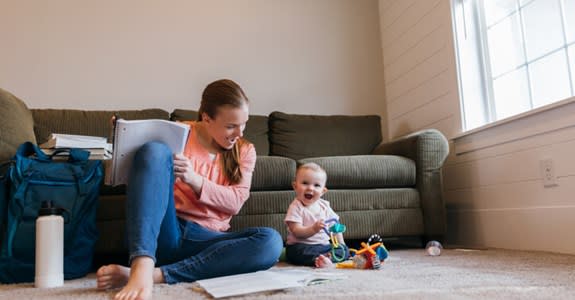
[(56, 144), (269, 280), (130, 135)]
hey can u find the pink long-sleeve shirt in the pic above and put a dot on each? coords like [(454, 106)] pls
[(218, 200)]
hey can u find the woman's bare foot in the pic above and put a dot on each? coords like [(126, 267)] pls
[(112, 276), (138, 280), (141, 280), (323, 261)]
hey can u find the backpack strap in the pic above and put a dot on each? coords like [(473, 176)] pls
[(74, 154), (77, 155), (28, 149)]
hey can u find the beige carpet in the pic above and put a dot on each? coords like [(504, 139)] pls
[(407, 274)]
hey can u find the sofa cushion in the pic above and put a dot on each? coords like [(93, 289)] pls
[(273, 173), (366, 171), (267, 202), (111, 223), (256, 129), (302, 136), (184, 115), (16, 124), (84, 122), (373, 199), (387, 212)]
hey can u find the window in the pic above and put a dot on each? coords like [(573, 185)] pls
[(513, 56)]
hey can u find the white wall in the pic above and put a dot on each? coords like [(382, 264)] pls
[(299, 56), (494, 194), (420, 77)]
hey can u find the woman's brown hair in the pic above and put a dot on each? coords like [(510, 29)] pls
[(225, 92)]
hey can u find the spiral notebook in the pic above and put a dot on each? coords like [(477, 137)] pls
[(130, 135)]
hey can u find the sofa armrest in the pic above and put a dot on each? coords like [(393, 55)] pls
[(429, 149)]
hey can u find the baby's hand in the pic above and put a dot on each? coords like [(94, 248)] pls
[(318, 225)]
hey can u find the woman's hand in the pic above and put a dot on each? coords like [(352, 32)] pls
[(184, 171)]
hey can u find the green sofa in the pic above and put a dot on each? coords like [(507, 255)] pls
[(393, 189)]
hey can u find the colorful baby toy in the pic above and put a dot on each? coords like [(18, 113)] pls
[(338, 251), (370, 256)]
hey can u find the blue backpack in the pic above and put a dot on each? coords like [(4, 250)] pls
[(31, 178)]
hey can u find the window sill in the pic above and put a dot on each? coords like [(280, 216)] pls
[(539, 121)]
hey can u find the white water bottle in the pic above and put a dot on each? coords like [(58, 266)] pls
[(49, 247)]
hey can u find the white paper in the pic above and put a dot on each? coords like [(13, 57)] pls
[(269, 280), (130, 135), (58, 140)]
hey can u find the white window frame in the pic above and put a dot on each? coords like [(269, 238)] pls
[(476, 91)]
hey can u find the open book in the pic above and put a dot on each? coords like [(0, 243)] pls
[(269, 280), (130, 135)]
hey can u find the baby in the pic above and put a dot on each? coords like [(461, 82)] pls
[(308, 242)]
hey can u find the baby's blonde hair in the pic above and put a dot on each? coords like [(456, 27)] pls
[(311, 166)]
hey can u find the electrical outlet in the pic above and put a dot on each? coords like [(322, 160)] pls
[(548, 173)]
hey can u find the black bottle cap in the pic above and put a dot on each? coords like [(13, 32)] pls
[(47, 208)]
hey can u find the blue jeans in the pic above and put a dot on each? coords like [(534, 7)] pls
[(305, 254), (186, 251)]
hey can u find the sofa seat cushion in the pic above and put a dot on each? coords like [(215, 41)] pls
[(273, 173), (111, 224), (85, 122), (267, 202), (373, 199), (256, 130), (301, 136), (390, 211), (111, 207), (271, 202), (366, 171), (16, 125), (109, 190)]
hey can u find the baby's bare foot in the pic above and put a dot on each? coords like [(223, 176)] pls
[(323, 262), (112, 276)]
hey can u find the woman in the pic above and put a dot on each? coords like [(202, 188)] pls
[(179, 207)]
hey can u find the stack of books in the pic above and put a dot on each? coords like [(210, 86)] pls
[(98, 147)]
